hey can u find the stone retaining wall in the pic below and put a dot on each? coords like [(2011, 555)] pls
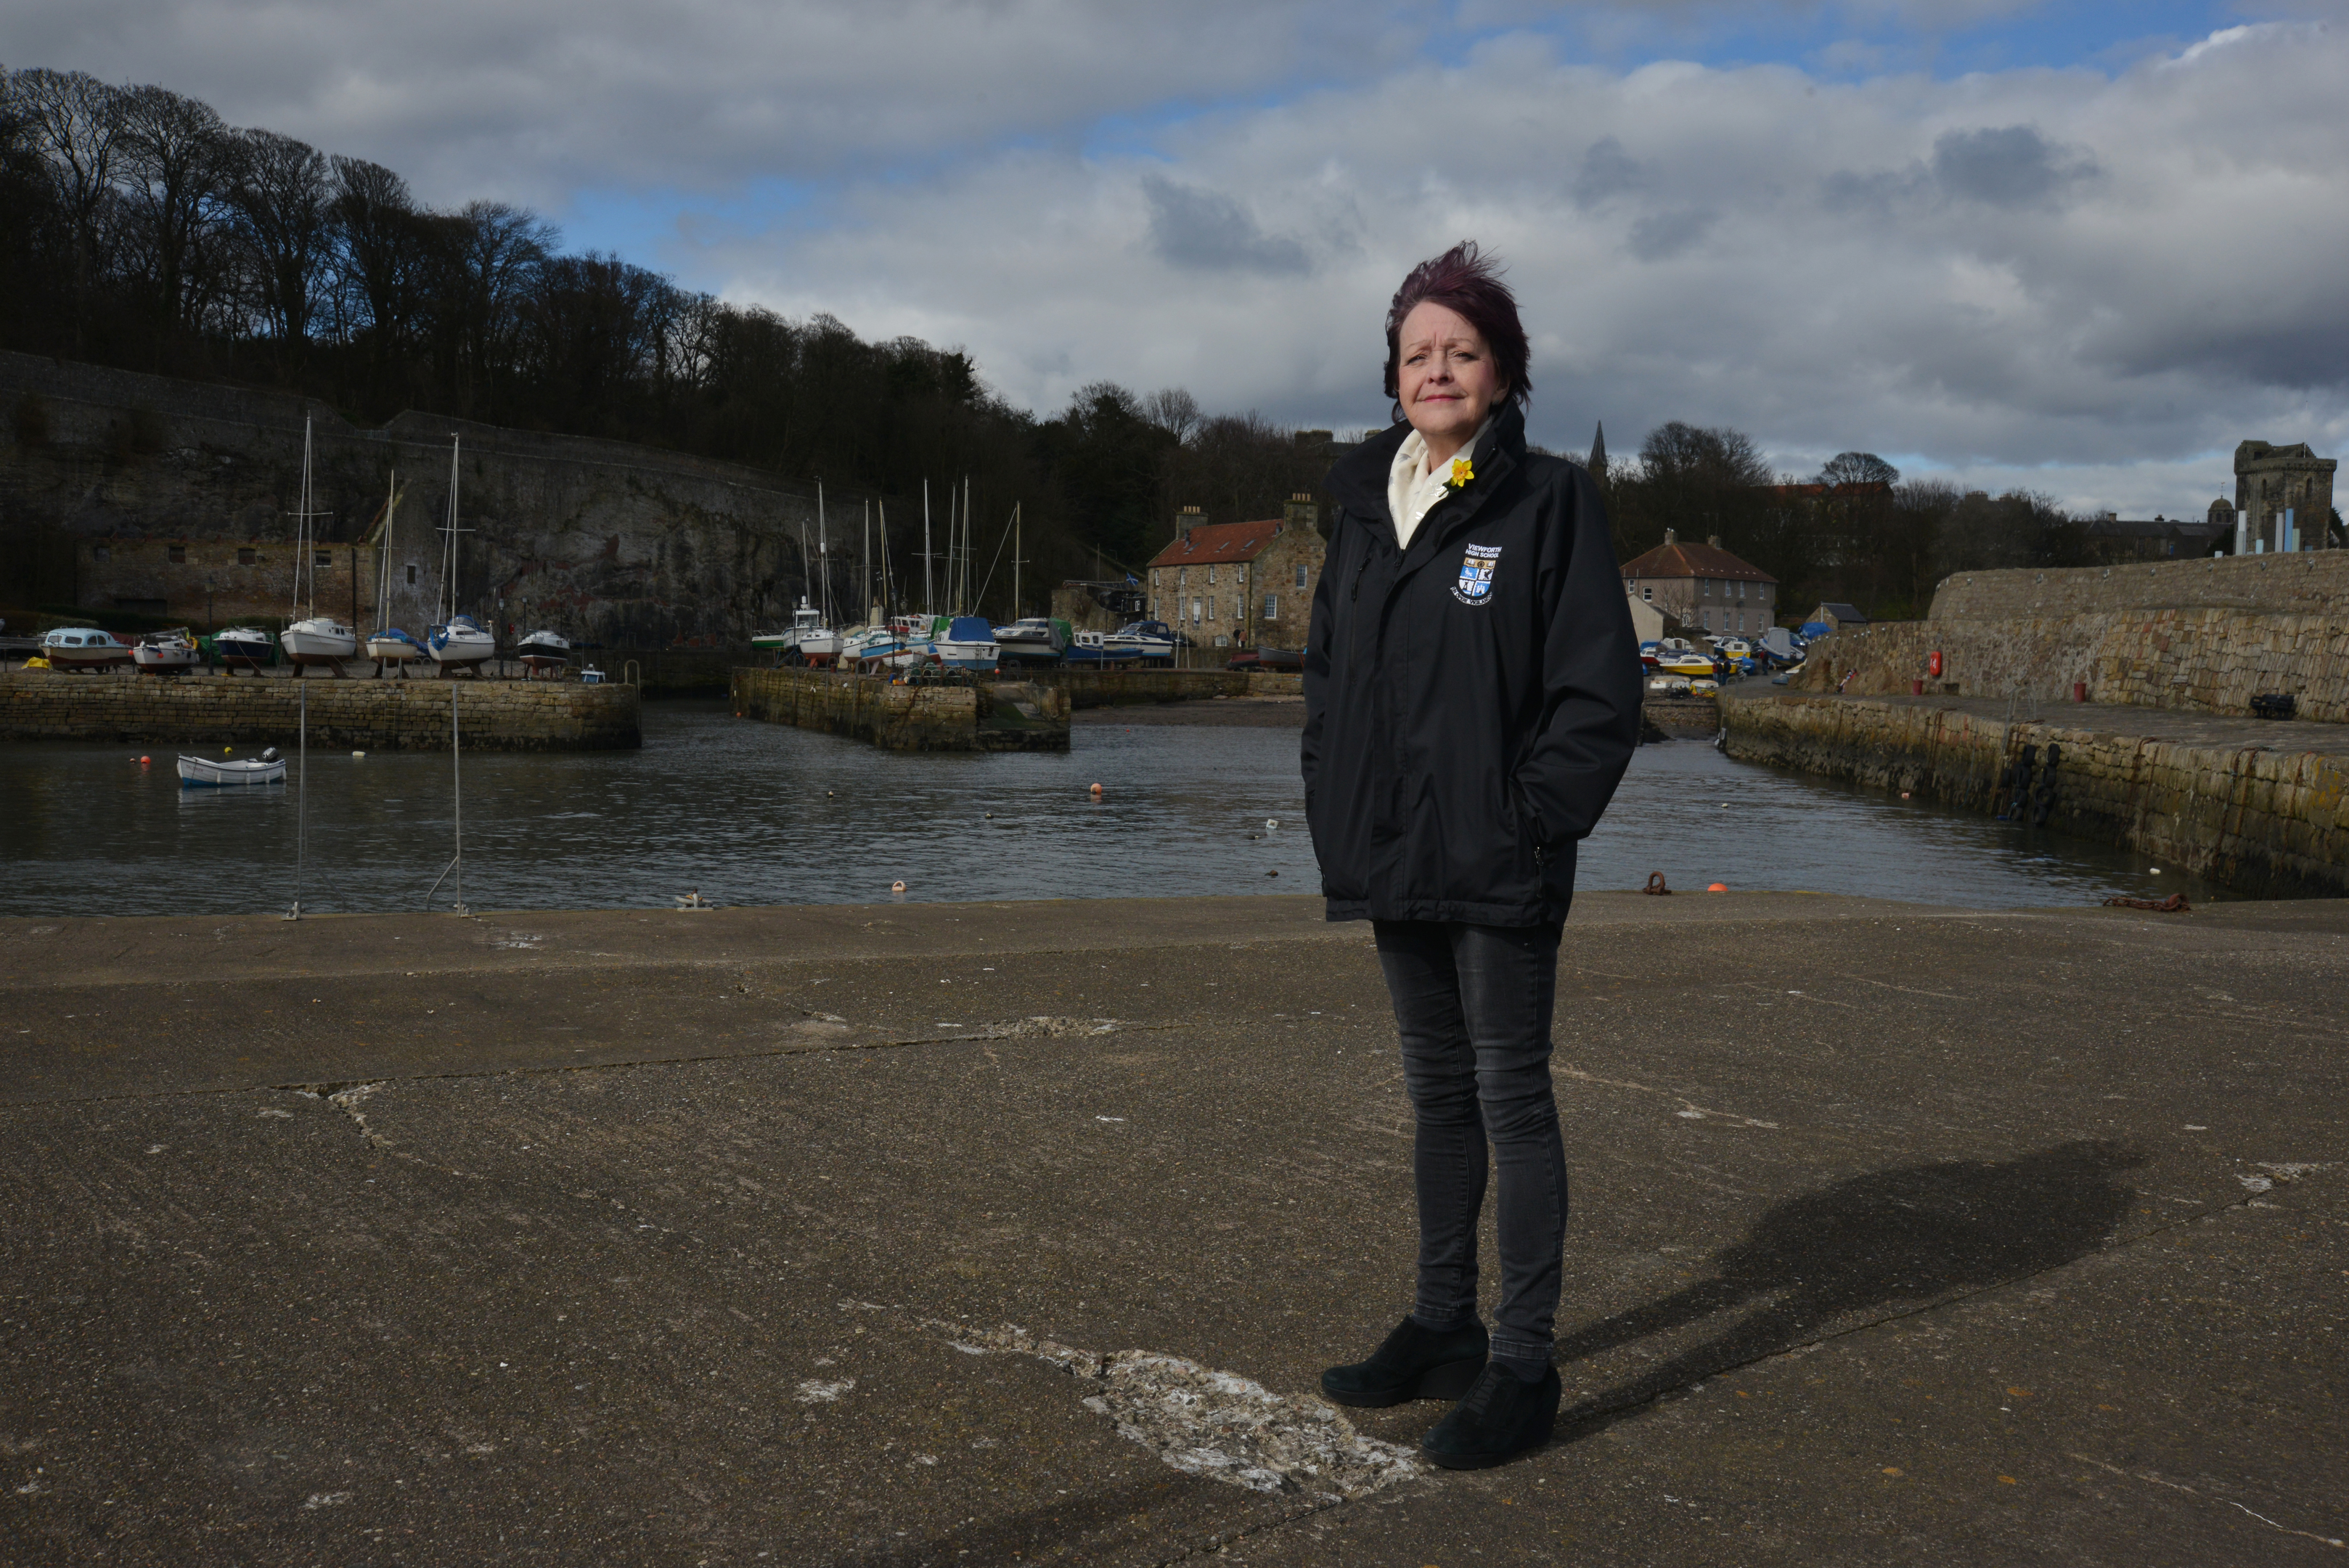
[(1002, 716), (2311, 582), (2263, 821), (371, 715)]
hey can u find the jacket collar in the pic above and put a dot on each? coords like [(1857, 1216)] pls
[(1357, 481)]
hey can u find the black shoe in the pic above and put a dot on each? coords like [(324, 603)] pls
[(1502, 1416), (1414, 1363)]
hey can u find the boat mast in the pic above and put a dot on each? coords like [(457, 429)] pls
[(383, 568), (302, 531), (823, 558), (885, 561), (449, 565), (1015, 560), (929, 588), (865, 575), (969, 544)]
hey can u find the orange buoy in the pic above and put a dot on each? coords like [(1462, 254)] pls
[(1096, 789), (1717, 888), (144, 760)]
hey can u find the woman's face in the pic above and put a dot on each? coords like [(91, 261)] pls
[(1445, 375)]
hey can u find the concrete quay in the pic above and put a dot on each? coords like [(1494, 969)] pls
[(2260, 805), (1020, 1233), (366, 715)]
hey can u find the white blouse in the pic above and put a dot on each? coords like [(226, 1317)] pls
[(1412, 489)]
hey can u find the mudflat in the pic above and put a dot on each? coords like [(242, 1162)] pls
[(1021, 1233)]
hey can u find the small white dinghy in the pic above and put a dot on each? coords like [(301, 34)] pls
[(203, 772)]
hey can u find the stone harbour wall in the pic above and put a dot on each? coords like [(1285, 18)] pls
[(2262, 820), (1108, 688), (2202, 660), (2203, 636), (998, 716), (372, 715)]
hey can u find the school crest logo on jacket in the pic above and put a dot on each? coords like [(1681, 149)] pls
[(1476, 584)]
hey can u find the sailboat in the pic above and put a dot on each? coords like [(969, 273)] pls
[(314, 638), (389, 644), (457, 642)]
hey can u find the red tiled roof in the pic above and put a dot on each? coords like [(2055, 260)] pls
[(1218, 542), (1693, 561)]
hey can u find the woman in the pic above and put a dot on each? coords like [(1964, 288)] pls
[(1472, 688)]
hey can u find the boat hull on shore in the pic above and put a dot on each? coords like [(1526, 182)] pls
[(321, 640)]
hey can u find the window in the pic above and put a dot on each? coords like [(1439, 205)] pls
[(411, 574), (1153, 608), (1222, 642), (1272, 607), (1194, 612), (1211, 576), (1153, 577), (1211, 598), (1181, 576), (245, 558), (1300, 576), (320, 558), (1649, 594), (177, 555)]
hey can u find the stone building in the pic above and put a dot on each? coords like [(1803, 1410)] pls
[(2283, 498), (1709, 589), (1241, 585)]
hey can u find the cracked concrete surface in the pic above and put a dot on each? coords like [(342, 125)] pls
[(2010, 1238)]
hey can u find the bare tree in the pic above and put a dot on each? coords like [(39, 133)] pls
[(1857, 468), (1174, 411), (179, 164), (377, 234), (77, 124), (281, 202)]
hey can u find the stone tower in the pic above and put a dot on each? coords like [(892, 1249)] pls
[(2283, 497)]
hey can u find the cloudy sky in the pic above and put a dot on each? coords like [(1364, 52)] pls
[(2083, 247)]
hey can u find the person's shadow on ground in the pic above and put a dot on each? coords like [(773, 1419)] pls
[(1891, 1239)]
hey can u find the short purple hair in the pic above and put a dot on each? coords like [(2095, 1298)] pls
[(1466, 280)]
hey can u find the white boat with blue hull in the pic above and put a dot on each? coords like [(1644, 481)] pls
[(206, 772), (969, 643)]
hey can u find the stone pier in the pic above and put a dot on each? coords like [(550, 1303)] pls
[(368, 715), (2262, 806), (988, 716)]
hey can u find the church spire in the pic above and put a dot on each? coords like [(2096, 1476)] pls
[(1598, 464)]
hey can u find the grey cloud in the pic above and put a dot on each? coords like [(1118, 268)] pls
[(1660, 236), (2012, 166), (1607, 171), (1192, 227)]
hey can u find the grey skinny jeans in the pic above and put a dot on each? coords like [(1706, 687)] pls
[(1472, 1005)]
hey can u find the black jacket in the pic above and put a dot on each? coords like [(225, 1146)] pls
[(1470, 703)]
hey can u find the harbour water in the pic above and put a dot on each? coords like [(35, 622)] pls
[(745, 813)]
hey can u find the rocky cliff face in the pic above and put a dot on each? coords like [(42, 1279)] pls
[(177, 498)]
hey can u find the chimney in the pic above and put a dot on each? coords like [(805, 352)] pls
[(1713, 540), (1672, 537), (1185, 520), (1302, 512)]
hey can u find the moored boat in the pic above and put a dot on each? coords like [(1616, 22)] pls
[(1034, 640), (206, 772), (968, 643), (460, 643), (165, 653), (1140, 639), (392, 645), (543, 652), (243, 648), (82, 648), (321, 639)]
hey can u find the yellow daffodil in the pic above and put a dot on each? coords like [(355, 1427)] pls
[(1462, 473)]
